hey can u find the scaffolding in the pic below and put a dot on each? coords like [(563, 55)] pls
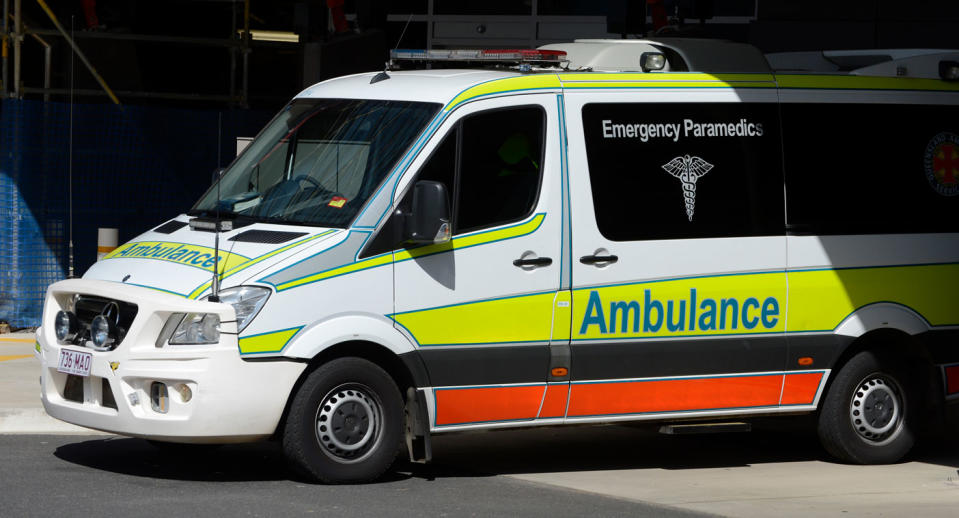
[(14, 35)]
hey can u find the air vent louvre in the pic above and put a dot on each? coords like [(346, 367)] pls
[(170, 227), (272, 237)]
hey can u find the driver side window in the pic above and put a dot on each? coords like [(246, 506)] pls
[(490, 163)]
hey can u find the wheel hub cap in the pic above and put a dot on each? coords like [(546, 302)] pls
[(347, 421), (876, 408)]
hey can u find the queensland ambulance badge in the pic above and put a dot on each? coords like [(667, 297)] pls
[(941, 161), (688, 169)]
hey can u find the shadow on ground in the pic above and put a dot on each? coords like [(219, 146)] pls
[(540, 450)]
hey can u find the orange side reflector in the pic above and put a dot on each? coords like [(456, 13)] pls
[(805, 361), (559, 371)]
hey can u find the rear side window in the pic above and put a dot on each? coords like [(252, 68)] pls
[(682, 170), (866, 169)]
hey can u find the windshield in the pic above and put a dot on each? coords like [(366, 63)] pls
[(318, 161)]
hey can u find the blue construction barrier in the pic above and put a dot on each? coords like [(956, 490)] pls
[(133, 167)]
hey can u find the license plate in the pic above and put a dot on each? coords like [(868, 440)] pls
[(75, 362)]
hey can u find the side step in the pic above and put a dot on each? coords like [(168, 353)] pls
[(694, 428)]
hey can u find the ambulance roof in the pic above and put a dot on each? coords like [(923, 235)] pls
[(439, 86)]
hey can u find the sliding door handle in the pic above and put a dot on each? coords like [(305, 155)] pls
[(598, 259)]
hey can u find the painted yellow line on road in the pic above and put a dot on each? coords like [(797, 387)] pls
[(15, 357), (18, 340)]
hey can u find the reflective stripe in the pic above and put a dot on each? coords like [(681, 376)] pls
[(487, 404), (525, 318), (554, 403), (674, 395), (845, 82), (271, 342), (508, 84), (668, 80), (242, 266), (464, 241), (750, 303), (819, 300), (181, 253), (801, 389)]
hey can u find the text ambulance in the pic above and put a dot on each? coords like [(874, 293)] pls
[(627, 231)]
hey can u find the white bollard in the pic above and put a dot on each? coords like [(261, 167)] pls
[(106, 241)]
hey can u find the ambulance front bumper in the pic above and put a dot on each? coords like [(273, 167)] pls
[(212, 395)]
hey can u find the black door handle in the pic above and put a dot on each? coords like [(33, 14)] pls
[(539, 261), (594, 259)]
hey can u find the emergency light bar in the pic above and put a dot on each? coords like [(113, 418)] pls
[(485, 55)]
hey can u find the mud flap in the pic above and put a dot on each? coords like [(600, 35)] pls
[(417, 427)]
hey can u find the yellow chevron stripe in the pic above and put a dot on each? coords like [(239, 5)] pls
[(272, 342), (464, 241), (242, 266), (517, 319), (509, 84)]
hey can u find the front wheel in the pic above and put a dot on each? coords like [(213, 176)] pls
[(869, 413), (345, 423)]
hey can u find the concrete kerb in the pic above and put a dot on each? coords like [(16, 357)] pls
[(21, 411)]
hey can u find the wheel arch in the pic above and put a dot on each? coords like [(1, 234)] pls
[(908, 347), (407, 369)]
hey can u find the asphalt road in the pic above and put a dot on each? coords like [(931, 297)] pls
[(63, 476)]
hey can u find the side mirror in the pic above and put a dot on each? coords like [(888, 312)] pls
[(429, 220), (949, 70)]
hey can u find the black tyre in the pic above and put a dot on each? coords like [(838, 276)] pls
[(345, 423), (869, 414)]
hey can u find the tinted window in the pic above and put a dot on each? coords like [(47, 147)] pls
[(500, 158), (676, 171), (860, 168), (491, 166), (318, 161)]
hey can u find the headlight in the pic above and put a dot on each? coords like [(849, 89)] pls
[(65, 325), (196, 328), (247, 301)]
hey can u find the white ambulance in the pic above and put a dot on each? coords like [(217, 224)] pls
[(671, 230)]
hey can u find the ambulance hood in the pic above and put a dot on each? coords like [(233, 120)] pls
[(177, 259)]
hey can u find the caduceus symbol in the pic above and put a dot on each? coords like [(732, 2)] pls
[(688, 169)]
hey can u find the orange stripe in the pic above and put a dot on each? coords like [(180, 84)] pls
[(106, 249), (554, 405), (801, 389), (952, 379), (674, 395), (476, 405)]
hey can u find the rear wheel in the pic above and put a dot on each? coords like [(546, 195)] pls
[(869, 414), (345, 423)]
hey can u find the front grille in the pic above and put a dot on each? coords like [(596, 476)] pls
[(86, 308)]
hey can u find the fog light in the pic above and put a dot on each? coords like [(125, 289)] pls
[(101, 332), (65, 325), (185, 393), (159, 398)]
